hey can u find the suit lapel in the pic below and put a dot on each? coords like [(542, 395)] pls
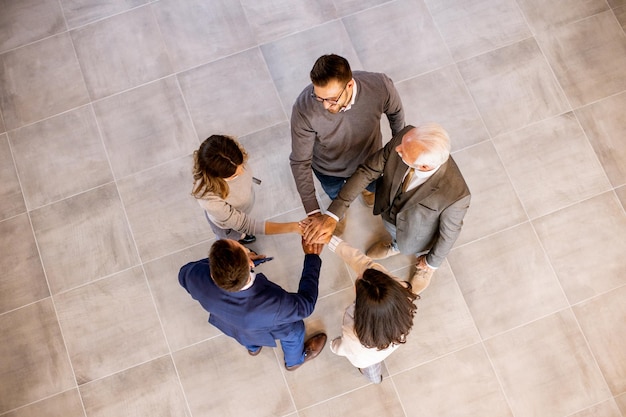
[(431, 185)]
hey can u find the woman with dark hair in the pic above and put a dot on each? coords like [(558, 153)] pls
[(223, 187), (381, 317)]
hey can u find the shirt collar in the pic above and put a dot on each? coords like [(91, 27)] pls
[(349, 106)]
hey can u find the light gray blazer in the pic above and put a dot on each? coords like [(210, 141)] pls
[(433, 215)]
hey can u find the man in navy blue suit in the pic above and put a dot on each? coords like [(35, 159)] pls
[(251, 309)]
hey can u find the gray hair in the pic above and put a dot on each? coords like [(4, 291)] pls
[(436, 142)]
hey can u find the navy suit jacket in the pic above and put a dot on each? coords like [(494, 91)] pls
[(260, 314)]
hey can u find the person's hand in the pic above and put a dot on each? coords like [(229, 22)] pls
[(421, 263), (311, 248), (319, 229), (253, 255)]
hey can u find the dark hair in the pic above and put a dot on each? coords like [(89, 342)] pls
[(330, 67), (384, 310), (218, 158), (230, 268)]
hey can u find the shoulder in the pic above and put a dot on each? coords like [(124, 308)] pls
[(453, 181), (372, 79)]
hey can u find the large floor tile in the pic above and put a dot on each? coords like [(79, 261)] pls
[(621, 195), (268, 158), (217, 105), (369, 401), (441, 96), (197, 32), (621, 403), (546, 368), (620, 14), (472, 27), (605, 126), (588, 57), (218, 365), (149, 389), (83, 238), (548, 177), (40, 80), (145, 126), (290, 59), (139, 57), (81, 12), (542, 16), (11, 198), (184, 320), (493, 272), (442, 325), (463, 380), (513, 86), (602, 320), (495, 205), (163, 218), (375, 34), (23, 280), (584, 246), (604, 409), (110, 325), (33, 359), (66, 404), (27, 21), (71, 157), (274, 19)]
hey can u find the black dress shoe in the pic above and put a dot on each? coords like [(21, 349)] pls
[(247, 239), (312, 348)]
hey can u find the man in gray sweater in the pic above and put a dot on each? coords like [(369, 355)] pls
[(335, 126)]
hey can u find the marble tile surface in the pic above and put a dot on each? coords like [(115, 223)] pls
[(604, 409), (66, 404), (40, 80), (64, 169), (11, 198), (542, 16), (82, 12), (28, 21)]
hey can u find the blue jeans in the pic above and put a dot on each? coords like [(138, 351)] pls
[(292, 344), (332, 185)]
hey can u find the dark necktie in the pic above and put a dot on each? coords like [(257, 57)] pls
[(407, 179)]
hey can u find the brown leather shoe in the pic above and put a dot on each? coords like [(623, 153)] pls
[(251, 353), (421, 279), (367, 198), (381, 250), (312, 347)]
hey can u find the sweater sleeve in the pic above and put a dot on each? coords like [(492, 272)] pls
[(355, 259), (297, 306), (228, 217), (393, 107), (302, 142)]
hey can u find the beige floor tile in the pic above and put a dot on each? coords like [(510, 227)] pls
[(602, 320), (621, 195), (495, 205), (620, 14), (369, 401), (549, 176), (374, 31), (543, 16), (472, 27), (73, 235), (64, 169), (81, 12), (11, 198), (197, 32), (217, 105), (346, 7), (605, 127), (152, 388), (441, 96), (268, 158), (442, 325), (110, 325), (621, 403), (546, 368), (28, 21), (463, 380), (66, 404), (588, 57), (140, 54), (218, 365), (513, 86), (494, 272), (183, 318), (583, 244), (604, 409), (31, 76), (2, 128), (291, 58), (275, 19), (23, 280), (33, 359), (145, 127), (165, 218)]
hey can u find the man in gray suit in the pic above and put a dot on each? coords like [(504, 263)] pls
[(420, 194)]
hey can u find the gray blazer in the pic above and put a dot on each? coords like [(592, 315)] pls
[(431, 219)]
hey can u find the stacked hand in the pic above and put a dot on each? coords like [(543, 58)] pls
[(318, 228)]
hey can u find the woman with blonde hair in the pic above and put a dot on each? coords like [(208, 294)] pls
[(223, 188)]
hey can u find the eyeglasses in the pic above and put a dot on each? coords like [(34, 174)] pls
[(331, 101)]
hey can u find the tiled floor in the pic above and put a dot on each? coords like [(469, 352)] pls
[(102, 103)]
